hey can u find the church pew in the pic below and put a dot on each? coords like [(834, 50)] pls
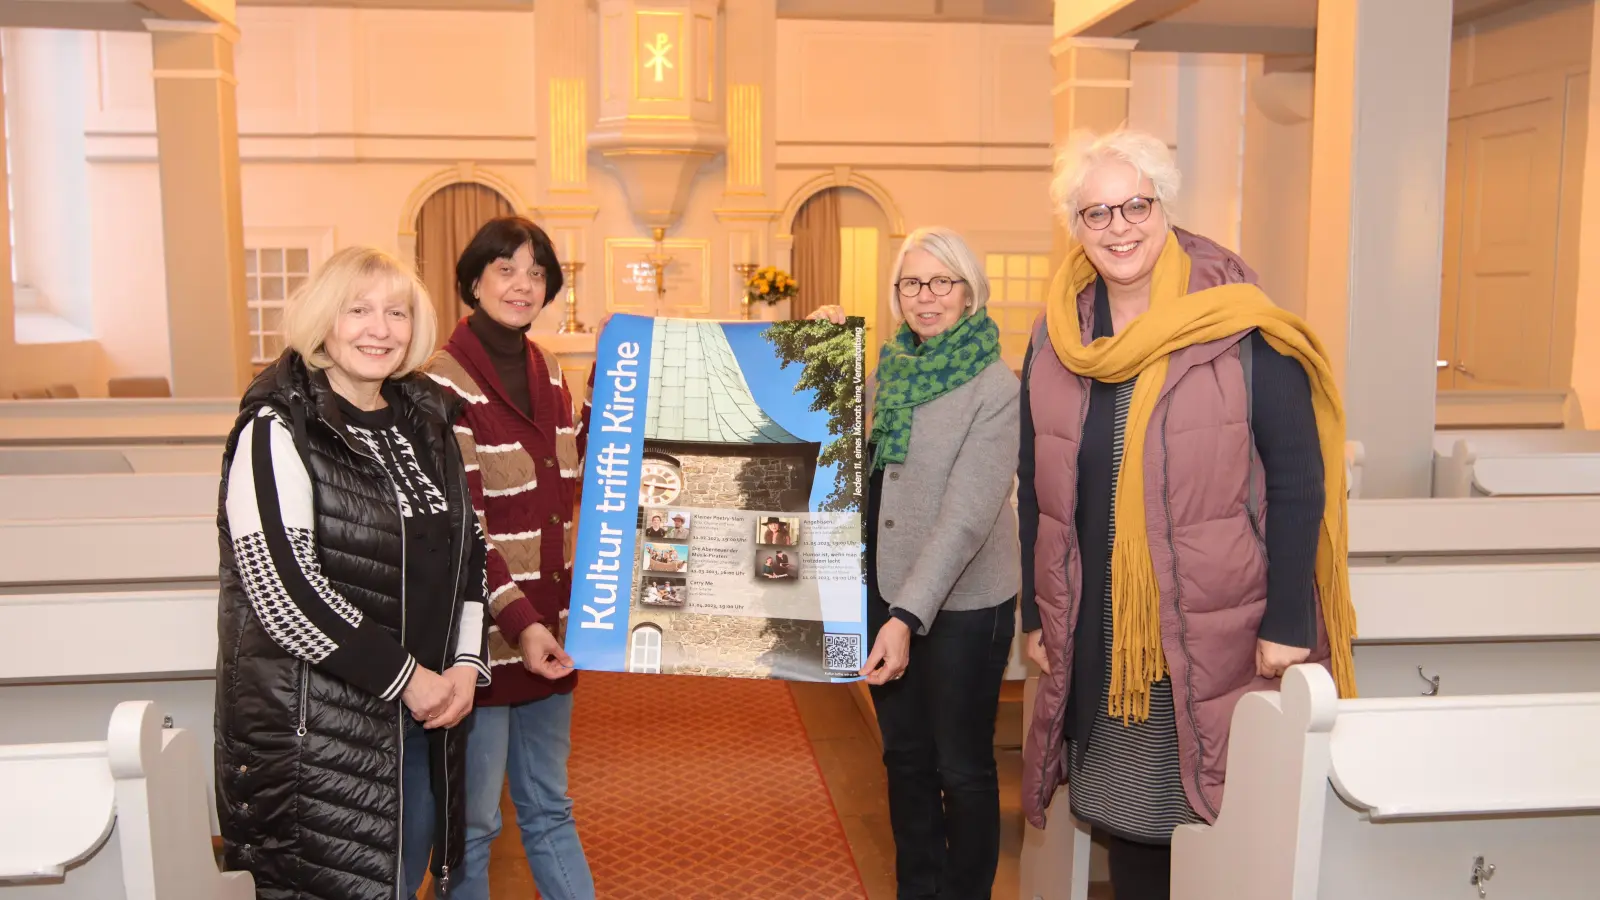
[(1478, 596), (103, 496), (110, 459), (1517, 463), (66, 551), (1488, 595), (1333, 799), (120, 421), (124, 816), (95, 612)]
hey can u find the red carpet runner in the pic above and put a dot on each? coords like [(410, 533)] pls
[(695, 788)]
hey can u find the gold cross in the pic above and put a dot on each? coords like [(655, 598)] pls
[(658, 54)]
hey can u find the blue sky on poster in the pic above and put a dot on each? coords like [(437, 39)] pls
[(773, 386)]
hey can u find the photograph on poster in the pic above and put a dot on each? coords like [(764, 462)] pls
[(661, 590), (778, 531), (661, 557)]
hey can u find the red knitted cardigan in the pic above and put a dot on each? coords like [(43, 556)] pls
[(524, 475)]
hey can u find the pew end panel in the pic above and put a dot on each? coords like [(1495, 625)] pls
[(125, 817), (1281, 740), (1394, 799)]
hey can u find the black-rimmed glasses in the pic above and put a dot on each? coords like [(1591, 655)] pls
[(1134, 210), (940, 285)]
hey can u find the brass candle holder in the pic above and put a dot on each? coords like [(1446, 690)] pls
[(569, 275), (745, 270)]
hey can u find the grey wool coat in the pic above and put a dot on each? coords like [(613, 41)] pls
[(947, 530)]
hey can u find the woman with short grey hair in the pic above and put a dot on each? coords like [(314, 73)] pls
[(1167, 405), (942, 578)]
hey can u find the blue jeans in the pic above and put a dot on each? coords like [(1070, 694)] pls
[(530, 742), (416, 808)]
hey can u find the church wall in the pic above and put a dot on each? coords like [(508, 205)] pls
[(951, 119), (345, 115)]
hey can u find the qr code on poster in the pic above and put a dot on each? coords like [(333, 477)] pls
[(842, 652)]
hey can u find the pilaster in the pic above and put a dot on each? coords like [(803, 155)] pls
[(1379, 129), (1089, 91), (197, 138)]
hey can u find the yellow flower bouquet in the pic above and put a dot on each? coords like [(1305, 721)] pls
[(769, 284)]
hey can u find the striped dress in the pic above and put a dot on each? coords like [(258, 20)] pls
[(1127, 780)]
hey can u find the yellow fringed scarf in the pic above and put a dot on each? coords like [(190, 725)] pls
[(1178, 319)]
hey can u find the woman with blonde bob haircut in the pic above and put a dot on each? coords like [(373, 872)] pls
[(351, 619), (941, 566), (1167, 405)]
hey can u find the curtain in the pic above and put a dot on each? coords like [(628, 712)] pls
[(445, 226), (816, 253)]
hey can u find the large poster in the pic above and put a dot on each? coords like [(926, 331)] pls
[(719, 530)]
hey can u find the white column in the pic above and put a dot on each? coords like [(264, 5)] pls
[(1377, 224), (197, 139), (1586, 328)]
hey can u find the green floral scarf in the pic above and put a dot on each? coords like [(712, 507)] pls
[(911, 373)]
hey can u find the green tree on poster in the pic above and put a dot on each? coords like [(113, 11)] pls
[(827, 354)]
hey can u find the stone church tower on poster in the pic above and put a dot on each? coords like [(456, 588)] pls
[(709, 444)]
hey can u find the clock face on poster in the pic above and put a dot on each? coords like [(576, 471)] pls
[(660, 482)]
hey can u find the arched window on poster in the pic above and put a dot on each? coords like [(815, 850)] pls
[(645, 653)]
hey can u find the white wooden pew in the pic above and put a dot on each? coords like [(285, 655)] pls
[(1452, 597), (111, 459), (1476, 596), (77, 551), (122, 421), (122, 817), (1355, 456), (95, 612), (1400, 799), (34, 498), (1516, 463)]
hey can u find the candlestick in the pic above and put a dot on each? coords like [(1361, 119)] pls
[(569, 273), (745, 270)]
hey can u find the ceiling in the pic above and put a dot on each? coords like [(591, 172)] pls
[(99, 15), (1293, 13)]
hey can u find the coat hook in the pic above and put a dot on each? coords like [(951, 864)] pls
[(1432, 691), (1480, 876), (166, 721)]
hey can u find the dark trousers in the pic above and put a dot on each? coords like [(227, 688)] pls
[(938, 746), (1139, 871)]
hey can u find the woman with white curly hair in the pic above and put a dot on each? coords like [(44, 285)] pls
[(1167, 404)]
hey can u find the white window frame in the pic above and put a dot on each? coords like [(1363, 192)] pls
[(316, 242), (1008, 286), (644, 650)]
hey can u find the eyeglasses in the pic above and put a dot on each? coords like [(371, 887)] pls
[(1134, 211), (940, 285)]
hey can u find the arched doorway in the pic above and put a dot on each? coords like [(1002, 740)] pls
[(843, 253), (445, 224)]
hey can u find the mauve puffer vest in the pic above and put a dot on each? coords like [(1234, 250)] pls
[(1210, 558)]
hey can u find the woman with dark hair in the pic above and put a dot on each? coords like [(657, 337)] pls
[(523, 451)]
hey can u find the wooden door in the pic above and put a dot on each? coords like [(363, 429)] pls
[(1499, 288)]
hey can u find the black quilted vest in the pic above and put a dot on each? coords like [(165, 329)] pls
[(307, 766)]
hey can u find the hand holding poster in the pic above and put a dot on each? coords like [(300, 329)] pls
[(719, 529)]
